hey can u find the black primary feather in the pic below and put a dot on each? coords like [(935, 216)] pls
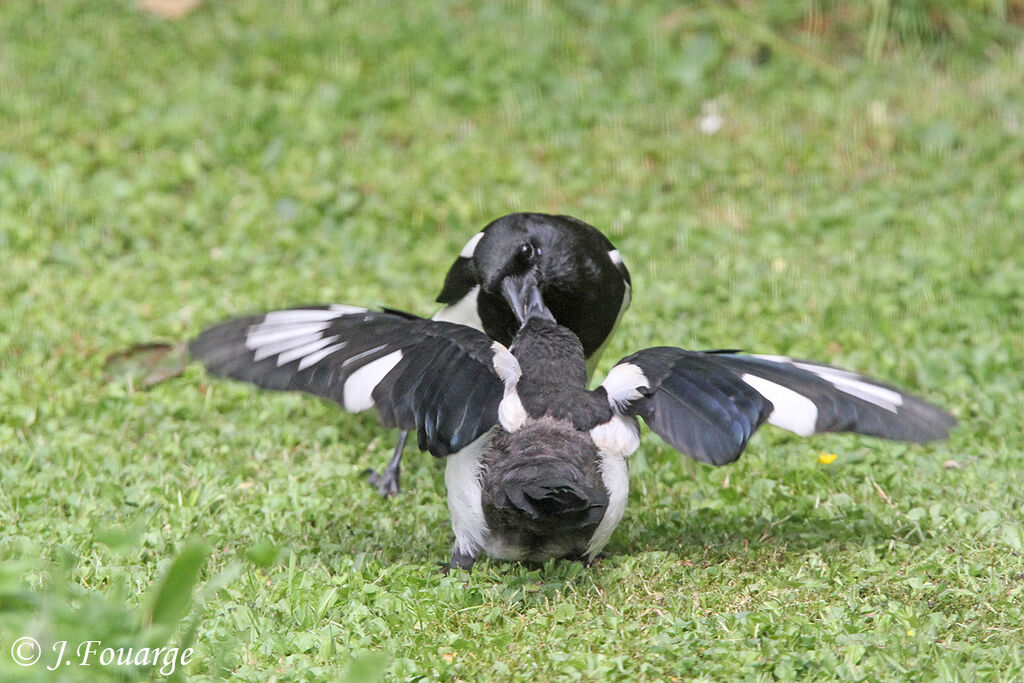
[(708, 404), (317, 349)]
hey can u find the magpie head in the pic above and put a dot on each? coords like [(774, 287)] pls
[(523, 260), (513, 261)]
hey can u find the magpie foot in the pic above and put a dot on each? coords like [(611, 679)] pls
[(460, 560), (387, 484)]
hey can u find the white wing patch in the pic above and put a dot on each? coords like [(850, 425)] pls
[(296, 334), (793, 411), (345, 309), (852, 384), (773, 359), (615, 256), (314, 358), (363, 354), (267, 341), (360, 384), (847, 382), (300, 352), (310, 315), (623, 385)]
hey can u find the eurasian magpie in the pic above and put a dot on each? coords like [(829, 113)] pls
[(536, 462), (575, 269)]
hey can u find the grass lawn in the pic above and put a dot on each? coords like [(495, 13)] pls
[(836, 184)]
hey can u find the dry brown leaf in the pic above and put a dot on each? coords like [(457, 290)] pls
[(145, 365)]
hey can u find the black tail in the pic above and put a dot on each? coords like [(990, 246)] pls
[(544, 480), (544, 504)]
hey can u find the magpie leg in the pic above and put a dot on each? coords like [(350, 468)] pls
[(460, 560), (388, 483)]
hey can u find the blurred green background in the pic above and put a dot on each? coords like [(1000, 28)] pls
[(837, 181)]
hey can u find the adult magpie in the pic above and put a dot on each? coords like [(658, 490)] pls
[(536, 462), (575, 269)]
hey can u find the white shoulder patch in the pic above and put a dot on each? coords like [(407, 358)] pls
[(623, 385), (511, 413), (463, 311), (506, 365), (462, 479), (620, 436), (615, 441), (615, 477), (467, 251), (615, 256)]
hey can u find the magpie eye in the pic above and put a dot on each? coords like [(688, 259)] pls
[(527, 251)]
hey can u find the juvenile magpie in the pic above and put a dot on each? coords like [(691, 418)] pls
[(536, 462), (571, 265)]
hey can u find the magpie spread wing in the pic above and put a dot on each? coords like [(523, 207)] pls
[(810, 398), (437, 378), (699, 408), (707, 405)]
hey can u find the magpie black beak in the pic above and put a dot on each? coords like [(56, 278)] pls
[(523, 294)]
